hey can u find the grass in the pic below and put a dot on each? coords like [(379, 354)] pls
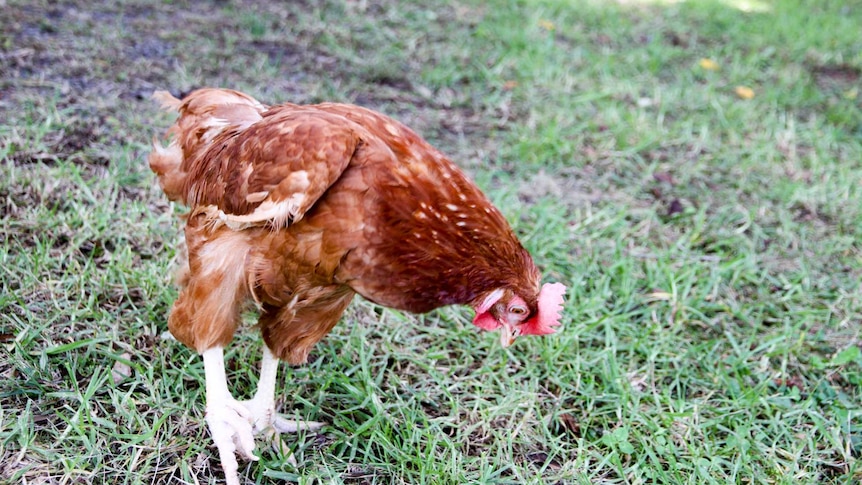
[(711, 243)]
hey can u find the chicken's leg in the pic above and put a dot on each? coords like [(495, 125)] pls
[(233, 423), (228, 420), (262, 405)]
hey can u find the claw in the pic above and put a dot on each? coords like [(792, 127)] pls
[(233, 424), (231, 429)]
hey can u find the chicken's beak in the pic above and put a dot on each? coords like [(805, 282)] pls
[(507, 334)]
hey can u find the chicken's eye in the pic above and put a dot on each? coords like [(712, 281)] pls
[(518, 310)]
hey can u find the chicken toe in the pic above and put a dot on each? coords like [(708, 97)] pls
[(233, 424), (231, 428), (262, 406), (284, 425)]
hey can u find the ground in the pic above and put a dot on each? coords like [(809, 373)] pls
[(691, 170)]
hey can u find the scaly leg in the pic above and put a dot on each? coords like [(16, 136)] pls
[(228, 420), (233, 423), (262, 405)]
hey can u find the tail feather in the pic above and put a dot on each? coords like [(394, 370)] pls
[(167, 100), (166, 162), (204, 114)]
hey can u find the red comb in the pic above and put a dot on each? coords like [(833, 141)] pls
[(550, 309)]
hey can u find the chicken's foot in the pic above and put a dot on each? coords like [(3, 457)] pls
[(233, 424), (262, 405)]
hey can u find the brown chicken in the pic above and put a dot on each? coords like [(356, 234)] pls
[(298, 208)]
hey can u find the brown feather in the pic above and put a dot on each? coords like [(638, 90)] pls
[(307, 205)]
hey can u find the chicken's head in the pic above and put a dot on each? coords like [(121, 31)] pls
[(504, 310)]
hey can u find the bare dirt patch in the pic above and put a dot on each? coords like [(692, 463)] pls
[(831, 75), (104, 62)]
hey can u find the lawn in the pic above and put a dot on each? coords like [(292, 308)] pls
[(692, 170)]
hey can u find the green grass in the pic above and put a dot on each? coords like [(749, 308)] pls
[(711, 244)]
